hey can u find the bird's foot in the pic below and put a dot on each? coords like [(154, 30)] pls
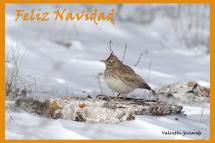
[(121, 96), (118, 96)]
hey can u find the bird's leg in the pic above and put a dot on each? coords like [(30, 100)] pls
[(121, 96), (112, 93)]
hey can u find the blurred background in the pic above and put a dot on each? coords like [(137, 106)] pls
[(62, 58)]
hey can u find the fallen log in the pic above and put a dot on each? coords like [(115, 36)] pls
[(111, 109), (103, 108)]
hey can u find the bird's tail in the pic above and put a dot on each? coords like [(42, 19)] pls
[(146, 86), (155, 93)]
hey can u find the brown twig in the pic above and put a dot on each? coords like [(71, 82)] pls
[(139, 59), (110, 46), (125, 49), (98, 75), (13, 74)]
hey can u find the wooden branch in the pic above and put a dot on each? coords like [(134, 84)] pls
[(103, 108), (111, 109)]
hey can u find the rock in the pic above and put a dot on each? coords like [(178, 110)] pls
[(107, 110), (189, 92), (130, 117), (79, 117), (31, 105)]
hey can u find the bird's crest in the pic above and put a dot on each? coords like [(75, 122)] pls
[(112, 60)]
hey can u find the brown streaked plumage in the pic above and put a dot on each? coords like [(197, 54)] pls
[(121, 78)]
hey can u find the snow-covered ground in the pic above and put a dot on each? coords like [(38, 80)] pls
[(64, 58), (21, 125)]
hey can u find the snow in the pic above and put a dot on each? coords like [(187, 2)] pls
[(72, 70), (143, 127)]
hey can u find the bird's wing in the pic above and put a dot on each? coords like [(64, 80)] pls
[(128, 76)]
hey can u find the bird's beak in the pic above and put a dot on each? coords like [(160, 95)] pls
[(102, 61)]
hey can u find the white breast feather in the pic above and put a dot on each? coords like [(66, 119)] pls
[(118, 86)]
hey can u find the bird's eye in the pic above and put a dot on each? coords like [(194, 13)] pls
[(109, 62)]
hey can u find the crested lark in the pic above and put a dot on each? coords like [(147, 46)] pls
[(121, 78)]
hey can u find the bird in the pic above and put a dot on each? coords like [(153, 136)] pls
[(122, 78)]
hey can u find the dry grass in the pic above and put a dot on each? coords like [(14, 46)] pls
[(98, 79), (125, 50), (139, 59), (16, 85)]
